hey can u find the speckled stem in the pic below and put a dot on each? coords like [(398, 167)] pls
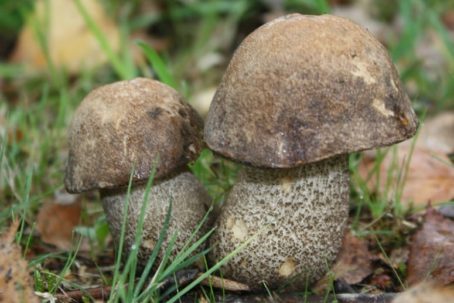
[(300, 215), (189, 204)]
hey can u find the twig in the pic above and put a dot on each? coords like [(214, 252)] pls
[(96, 293), (366, 298), (295, 298), (225, 284), (181, 278)]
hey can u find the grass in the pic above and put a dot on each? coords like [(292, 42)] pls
[(35, 111)]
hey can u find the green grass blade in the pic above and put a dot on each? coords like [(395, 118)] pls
[(139, 232), (25, 205), (120, 68), (191, 260), (153, 285), (198, 227), (212, 269), (182, 255), (119, 252), (155, 252), (69, 262), (158, 65)]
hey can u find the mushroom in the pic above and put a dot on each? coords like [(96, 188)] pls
[(130, 127), (300, 94)]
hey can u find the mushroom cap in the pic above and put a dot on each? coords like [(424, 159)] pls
[(126, 126), (300, 89)]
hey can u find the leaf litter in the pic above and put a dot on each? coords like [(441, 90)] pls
[(56, 222), (432, 250), (430, 176), (15, 282)]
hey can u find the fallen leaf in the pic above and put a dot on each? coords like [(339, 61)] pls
[(430, 175), (209, 60), (432, 250), (15, 283), (353, 264), (437, 133), (70, 42), (56, 221), (354, 261), (382, 281), (201, 101), (448, 19), (447, 210), (426, 293)]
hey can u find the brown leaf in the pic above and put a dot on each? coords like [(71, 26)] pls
[(15, 283), (70, 42), (448, 19), (426, 293), (432, 250), (354, 261), (430, 175), (55, 223), (353, 264), (382, 281)]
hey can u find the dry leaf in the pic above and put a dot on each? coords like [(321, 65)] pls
[(448, 19), (55, 223), (447, 210), (430, 175), (426, 293), (353, 264), (201, 101), (437, 133), (382, 281), (432, 250), (70, 42), (354, 261), (15, 283)]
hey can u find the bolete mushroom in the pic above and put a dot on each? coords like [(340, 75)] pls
[(300, 93), (130, 127)]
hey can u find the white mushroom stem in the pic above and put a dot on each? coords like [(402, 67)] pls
[(189, 204), (300, 215)]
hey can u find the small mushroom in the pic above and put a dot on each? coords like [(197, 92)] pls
[(300, 93), (130, 127)]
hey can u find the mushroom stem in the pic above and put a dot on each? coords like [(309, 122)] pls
[(300, 214), (189, 204)]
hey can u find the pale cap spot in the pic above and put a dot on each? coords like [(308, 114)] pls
[(239, 230), (380, 106), (288, 267)]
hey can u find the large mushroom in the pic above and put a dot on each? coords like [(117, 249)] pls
[(132, 127), (300, 93)]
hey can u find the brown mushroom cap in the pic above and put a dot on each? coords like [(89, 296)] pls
[(305, 88), (130, 125)]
